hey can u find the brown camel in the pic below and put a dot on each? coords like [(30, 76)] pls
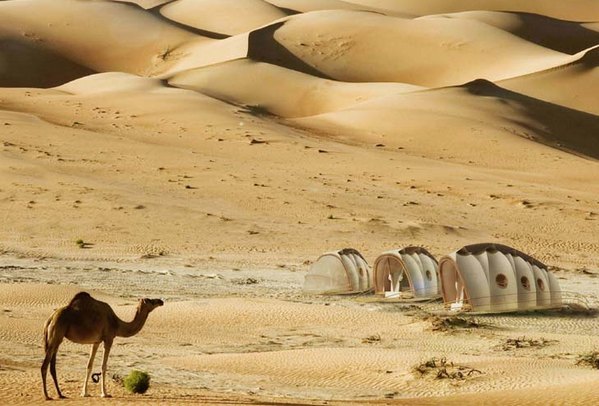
[(86, 320)]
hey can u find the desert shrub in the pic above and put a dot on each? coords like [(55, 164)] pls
[(453, 323), (376, 338), (443, 369), (590, 359), (523, 342), (137, 382)]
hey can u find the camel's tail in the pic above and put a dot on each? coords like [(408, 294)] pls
[(46, 326)]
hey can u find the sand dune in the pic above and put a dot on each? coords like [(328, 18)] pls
[(146, 4), (504, 114), (136, 46), (206, 152), (572, 85), (213, 15), (577, 10), (389, 49), (25, 64), (305, 6), (380, 49), (286, 93), (564, 36)]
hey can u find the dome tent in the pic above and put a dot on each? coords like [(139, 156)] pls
[(344, 271), (493, 277), (411, 269)]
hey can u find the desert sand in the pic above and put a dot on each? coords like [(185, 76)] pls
[(206, 152)]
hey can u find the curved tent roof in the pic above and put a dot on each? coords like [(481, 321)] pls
[(495, 277), (412, 269), (344, 271)]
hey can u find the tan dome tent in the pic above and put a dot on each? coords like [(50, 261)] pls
[(411, 269), (495, 278), (344, 271)]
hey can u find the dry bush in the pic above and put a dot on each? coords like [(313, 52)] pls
[(523, 342), (376, 338), (589, 359), (442, 369), (452, 323)]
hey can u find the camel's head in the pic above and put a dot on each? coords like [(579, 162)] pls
[(150, 304)]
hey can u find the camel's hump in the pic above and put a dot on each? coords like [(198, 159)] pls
[(79, 297)]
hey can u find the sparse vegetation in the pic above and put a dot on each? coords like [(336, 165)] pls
[(523, 342), (375, 338), (442, 369), (137, 382), (256, 110), (80, 243), (453, 323), (590, 359), (244, 281)]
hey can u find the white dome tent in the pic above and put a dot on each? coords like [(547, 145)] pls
[(411, 269), (495, 278), (344, 271)]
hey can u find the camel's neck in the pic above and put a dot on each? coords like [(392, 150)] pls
[(128, 329)]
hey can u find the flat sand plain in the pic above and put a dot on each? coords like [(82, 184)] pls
[(207, 151)]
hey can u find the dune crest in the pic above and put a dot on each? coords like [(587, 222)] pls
[(213, 15)]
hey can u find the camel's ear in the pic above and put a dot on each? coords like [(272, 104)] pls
[(153, 302)]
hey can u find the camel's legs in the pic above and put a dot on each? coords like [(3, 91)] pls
[(53, 372), (90, 365), (45, 364), (107, 345)]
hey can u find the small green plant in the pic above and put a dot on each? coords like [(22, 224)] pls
[(80, 243), (137, 382)]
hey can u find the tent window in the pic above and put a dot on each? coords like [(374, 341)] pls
[(429, 276), (525, 282), (540, 284), (501, 281)]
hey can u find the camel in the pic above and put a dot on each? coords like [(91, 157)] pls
[(86, 320)]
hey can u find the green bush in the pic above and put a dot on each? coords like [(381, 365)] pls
[(137, 382)]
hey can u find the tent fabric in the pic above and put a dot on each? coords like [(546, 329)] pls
[(343, 271), (411, 269), (495, 277)]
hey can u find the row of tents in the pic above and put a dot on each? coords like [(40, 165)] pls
[(480, 277)]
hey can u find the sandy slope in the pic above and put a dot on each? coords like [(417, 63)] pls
[(576, 10), (214, 15), (572, 85), (560, 35), (146, 4), (285, 92), (418, 51), (207, 151), (24, 64), (124, 38), (478, 103)]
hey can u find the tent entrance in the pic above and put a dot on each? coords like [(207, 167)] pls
[(454, 290), (396, 280)]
